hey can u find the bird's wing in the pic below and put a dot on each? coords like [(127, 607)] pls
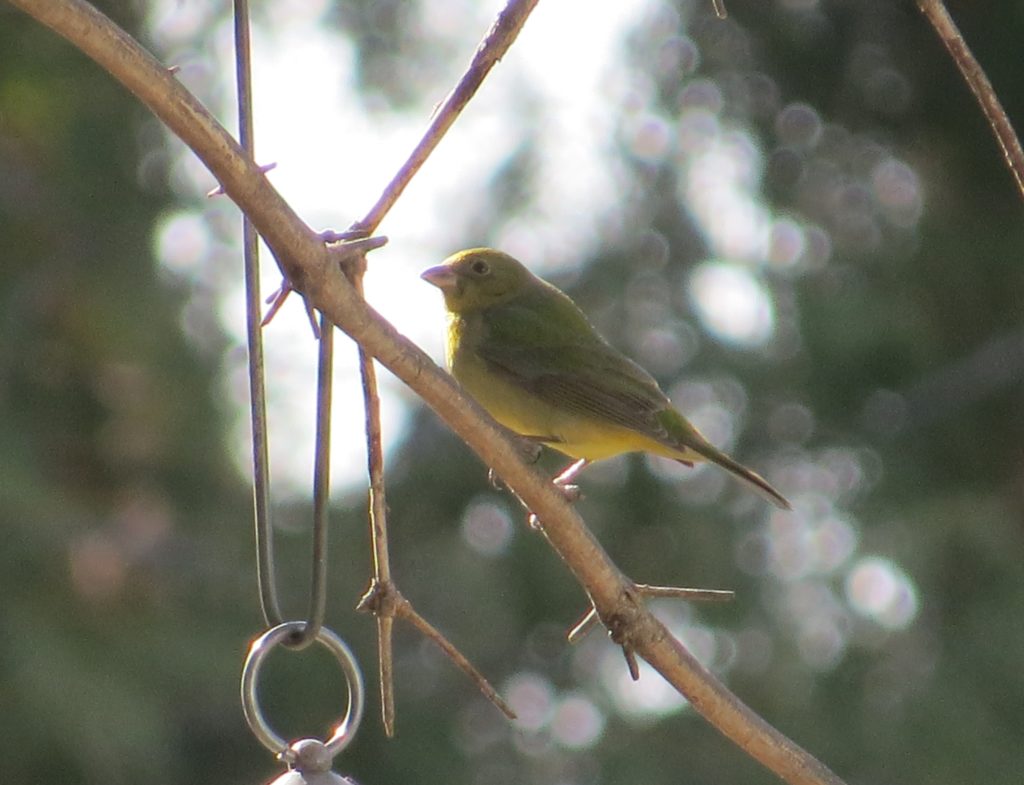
[(590, 379)]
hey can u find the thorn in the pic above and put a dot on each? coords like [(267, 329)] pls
[(631, 663), (719, 6), (682, 593), (219, 190), (583, 626), (331, 236), (173, 69), (312, 319), (345, 251), (277, 300)]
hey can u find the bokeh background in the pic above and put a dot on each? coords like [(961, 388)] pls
[(796, 218)]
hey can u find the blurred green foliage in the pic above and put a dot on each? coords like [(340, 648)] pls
[(126, 577)]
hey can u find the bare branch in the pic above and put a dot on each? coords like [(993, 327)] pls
[(306, 264), (936, 13)]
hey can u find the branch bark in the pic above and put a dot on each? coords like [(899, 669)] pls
[(935, 12), (305, 262)]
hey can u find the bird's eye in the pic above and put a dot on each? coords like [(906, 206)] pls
[(480, 267)]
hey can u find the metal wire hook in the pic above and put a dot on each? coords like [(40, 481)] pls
[(265, 570)]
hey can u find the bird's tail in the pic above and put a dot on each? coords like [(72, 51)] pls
[(751, 479)]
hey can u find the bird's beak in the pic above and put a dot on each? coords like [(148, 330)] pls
[(442, 276)]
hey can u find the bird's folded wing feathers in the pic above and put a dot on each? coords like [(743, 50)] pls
[(591, 380)]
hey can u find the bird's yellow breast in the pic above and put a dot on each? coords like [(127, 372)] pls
[(522, 412)]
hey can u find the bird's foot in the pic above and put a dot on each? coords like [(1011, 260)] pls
[(571, 493)]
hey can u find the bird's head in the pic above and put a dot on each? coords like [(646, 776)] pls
[(478, 278)]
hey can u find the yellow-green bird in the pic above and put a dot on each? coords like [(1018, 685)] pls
[(527, 353)]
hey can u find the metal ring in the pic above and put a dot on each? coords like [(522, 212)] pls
[(258, 652)]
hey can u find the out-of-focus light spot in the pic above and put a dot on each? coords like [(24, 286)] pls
[(819, 246), (173, 23), (648, 299), (664, 351), (843, 465), (647, 699), (878, 589), (799, 125), (814, 540), (679, 56), (789, 551), (716, 423), (833, 541), (182, 242), (791, 422), (829, 475), (696, 131), (887, 90), (700, 640), (898, 191), (786, 243), (486, 528), (532, 698), (703, 93), (822, 622), (732, 304), (648, 137), (668, 470), (577, 722), (821, 642), (724, 391)]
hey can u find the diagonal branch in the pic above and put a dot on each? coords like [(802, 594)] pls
[(305, 261), (935, 12)]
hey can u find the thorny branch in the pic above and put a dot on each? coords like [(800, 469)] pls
[(306, 262)]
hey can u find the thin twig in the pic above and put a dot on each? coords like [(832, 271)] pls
[(409, 614), (491, 49), (305, 261), (378, 526), (386, 602), (936, 13), (496, 42)]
